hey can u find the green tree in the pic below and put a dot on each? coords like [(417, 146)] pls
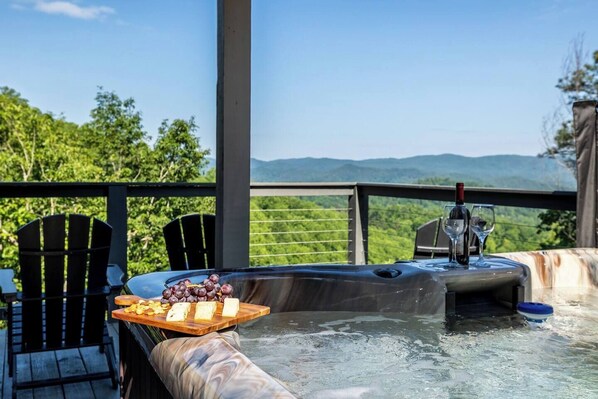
[(177, 152), (580, 82), (38, 147), (560, 227), (116, 134), (35, 146), (175, 157)]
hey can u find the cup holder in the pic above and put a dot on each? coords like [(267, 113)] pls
[(387, 272)]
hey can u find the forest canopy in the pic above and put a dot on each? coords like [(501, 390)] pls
[(36, 146)]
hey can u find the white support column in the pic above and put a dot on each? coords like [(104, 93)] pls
[(233, 133)]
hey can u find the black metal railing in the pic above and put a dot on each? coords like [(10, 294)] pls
[(357, 195)]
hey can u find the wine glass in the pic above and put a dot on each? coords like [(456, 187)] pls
[(482, 223), (454, 221)]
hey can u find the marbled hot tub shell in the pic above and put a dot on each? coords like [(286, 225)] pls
[(412, 287), (215, 366)]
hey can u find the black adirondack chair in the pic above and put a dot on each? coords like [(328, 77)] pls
[(49, 314), (431, 242), (190, 241)]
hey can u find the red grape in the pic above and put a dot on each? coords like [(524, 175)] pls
[(227, 289), (209, 290), (209, 285)]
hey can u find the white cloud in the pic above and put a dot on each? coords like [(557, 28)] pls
[(73, 10)]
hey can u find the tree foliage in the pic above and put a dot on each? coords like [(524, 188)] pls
[(111, 147), (580, 82), (560, 227), (116, 136)]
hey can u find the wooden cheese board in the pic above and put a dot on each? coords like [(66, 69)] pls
[(247, 312)]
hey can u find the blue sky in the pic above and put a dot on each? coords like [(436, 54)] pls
[(343, 79)]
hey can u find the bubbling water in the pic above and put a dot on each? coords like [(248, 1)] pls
[(365, 355)]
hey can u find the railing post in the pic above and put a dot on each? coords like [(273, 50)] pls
[(364, 209), (117, 218), (358, 227), (233, 121)]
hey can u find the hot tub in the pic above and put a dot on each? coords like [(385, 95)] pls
[(162, 363)]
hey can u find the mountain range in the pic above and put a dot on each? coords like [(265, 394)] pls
[(506, 171)]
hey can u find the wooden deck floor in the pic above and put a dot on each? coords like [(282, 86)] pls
[(70, 362)]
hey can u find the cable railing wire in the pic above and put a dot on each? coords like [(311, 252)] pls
[(302, 220), (308, 246), (298, 254), (298, 242), (411, 214), (298, 232), (327, 235), (301, 210), (340, 262), (516, 224)]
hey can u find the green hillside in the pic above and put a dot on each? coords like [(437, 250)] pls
[(507, 171)]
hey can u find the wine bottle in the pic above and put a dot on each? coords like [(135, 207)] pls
[(462, 246)]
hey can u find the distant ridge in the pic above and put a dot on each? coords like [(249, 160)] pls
[(507, 171)]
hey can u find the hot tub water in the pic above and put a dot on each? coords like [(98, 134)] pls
[(386, 355)]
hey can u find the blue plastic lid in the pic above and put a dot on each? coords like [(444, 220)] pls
[(535, 308)]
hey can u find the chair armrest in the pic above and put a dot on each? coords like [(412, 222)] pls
[(115, 277), (7, 286)]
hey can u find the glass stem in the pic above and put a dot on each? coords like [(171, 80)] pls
[(453, 253), (481, 257)]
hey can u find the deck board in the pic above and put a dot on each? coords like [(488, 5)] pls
[(47, 392), (94, 360), (23, 367), (103, 389), (69, 362), (80, 390), (43, 366)]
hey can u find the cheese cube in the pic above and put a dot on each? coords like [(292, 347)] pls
[(178, 312), (205, 310), (231, 307)]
